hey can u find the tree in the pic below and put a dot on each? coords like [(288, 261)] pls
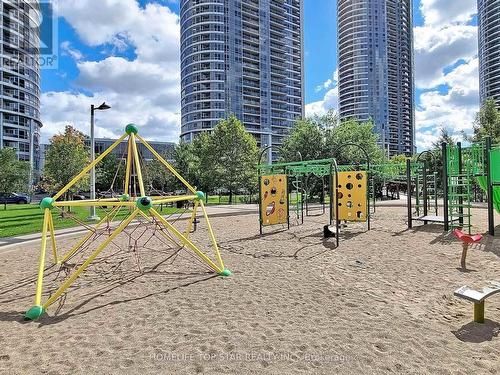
[(158, 178), (185, 163), (235, 156), (110, 173), (204, 150), (398, 159), (66, 157), (355, 132), (306, 138), (14, 174), (445, 136), (487, 122)]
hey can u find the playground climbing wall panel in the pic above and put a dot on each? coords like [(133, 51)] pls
[(352, 196), (274, 199)]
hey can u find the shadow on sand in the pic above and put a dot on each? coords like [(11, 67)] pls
[(477, 333), (119, 280)]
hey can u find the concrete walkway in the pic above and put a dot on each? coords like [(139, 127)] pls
[(213, 211)]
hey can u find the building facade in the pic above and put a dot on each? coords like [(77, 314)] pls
[(375, 52), (489, 49), (20, 80), (243, 58), (165, 149)]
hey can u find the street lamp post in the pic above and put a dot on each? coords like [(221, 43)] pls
[(102, 107)]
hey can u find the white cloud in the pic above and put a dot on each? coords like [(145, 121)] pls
[(446, 56), (68, 50), (439, 47), (329, 102), (455, 109), (119, 75), (65, 108), (324, 85), (329, 83), (144, 90), (440, 12)]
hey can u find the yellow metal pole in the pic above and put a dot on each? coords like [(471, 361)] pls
[(176, 199), (88, 168), (187, 242), (162, 232), (158, 197), (87, 236), (53, 238), (145, 216), (165, 163), (92, 203), (41, 265), (212, 236), (89, 260), (138, 166), (129, 165), (193, 218), (88, 201)]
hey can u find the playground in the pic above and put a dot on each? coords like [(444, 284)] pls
[(383, 302), (342, 283)]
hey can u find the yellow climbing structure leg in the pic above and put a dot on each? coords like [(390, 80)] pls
[(142, 206)]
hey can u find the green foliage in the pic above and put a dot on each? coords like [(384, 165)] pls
[(445, 136), (66, 157), (487, 122), (306, 138), (355, 132), (185, 163), (235, 156), (325, 137), (204, 150), (398, 159), (110, 173), (157, 178), (14, 174)]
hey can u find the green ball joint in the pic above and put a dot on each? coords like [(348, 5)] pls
[(144, 203), (34, 313), (47, 202), (124, 197), (131, 129), (225, 273), (200, 195)]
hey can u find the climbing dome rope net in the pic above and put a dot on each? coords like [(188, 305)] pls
[(136, 215)]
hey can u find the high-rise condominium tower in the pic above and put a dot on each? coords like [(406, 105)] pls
[(242, 58), (376, 68), (489, 49), (20, 82)]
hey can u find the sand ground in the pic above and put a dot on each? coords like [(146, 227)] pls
[(380, 303)]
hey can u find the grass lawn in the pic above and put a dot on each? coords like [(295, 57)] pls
[(224, 199), (24, 219)]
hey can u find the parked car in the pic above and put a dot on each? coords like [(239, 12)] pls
[(14, 198), (75, 197)]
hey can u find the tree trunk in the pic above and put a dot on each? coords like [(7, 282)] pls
[(206, 198), (230, 197), (67, 199)]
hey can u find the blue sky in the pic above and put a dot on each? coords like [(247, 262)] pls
[(104, 42)]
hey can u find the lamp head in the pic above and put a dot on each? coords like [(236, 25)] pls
[(103, 107)]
